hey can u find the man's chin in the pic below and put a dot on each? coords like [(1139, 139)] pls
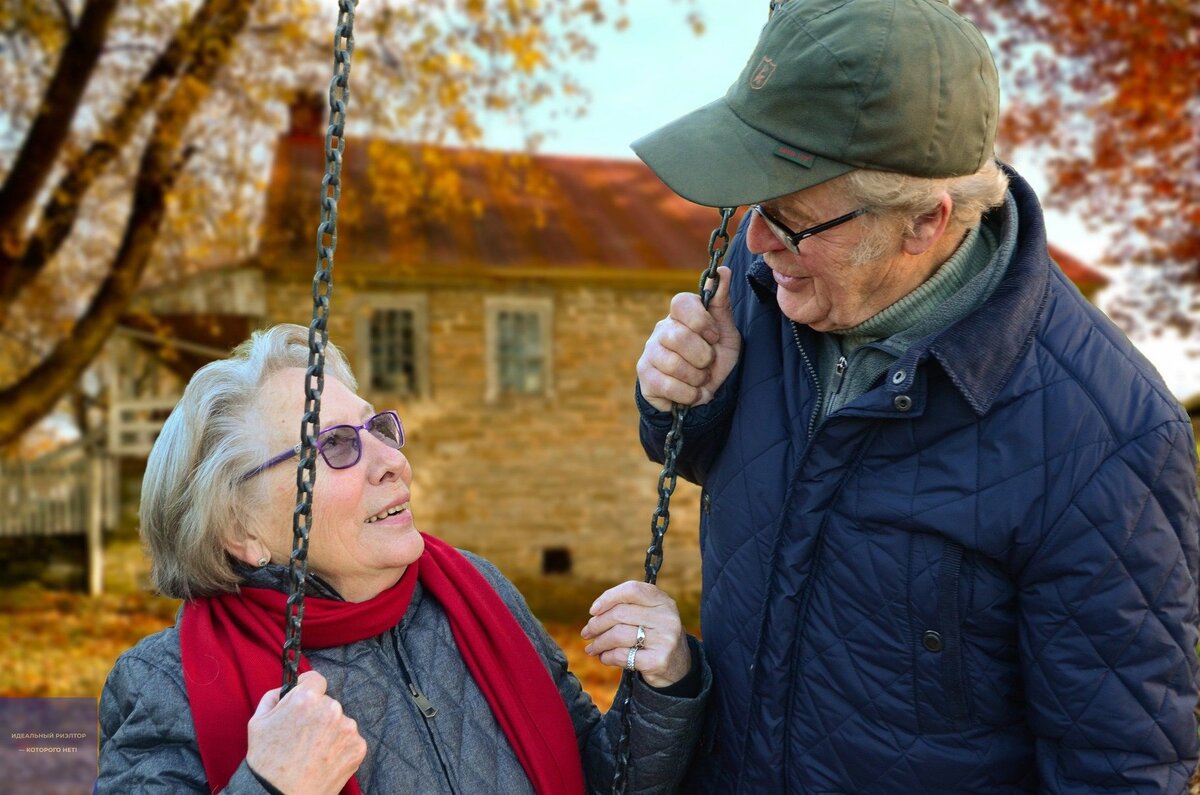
[(800, 308)]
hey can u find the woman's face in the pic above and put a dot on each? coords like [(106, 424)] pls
[(350, 546)]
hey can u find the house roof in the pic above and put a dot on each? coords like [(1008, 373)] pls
[(1086, 278), (515, 215)]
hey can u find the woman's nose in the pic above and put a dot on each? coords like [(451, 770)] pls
[(384, 462)]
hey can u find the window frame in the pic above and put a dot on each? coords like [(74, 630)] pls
[(418, 305), (542, 308)]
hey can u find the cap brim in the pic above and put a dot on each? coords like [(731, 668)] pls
[(712, 157)]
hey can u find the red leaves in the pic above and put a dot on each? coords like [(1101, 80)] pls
[(1110, 89)]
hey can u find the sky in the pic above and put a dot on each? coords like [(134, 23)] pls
[(658, 69)]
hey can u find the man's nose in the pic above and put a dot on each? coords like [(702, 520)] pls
[(759, 237)]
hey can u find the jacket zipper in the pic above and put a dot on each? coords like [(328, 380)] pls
[(819, 541), (426, 707), (812, 422), (950, 623), (812, 371)]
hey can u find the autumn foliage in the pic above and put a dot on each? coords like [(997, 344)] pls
[(63, 644), (1109, 91), (137, 138)]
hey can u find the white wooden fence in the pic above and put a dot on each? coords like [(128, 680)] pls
[(67, 492)]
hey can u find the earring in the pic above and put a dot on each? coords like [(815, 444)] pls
[(264, 560)]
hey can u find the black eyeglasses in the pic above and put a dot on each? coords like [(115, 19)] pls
[(341, 446), (792, 239)]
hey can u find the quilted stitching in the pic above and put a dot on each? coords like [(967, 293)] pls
[(1073, 497), (148, 742)]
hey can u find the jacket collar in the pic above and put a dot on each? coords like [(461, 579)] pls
[(979, 352)]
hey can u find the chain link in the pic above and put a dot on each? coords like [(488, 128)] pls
[(318, 337), (718, 243)]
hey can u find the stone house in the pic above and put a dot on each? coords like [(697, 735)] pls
[(506, 336), (505, 332)]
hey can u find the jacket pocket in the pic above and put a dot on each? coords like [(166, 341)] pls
[(705, 512), (950, 618), (936, 609)]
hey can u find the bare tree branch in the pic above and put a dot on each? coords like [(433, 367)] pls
[(52, 124), (26, 401), (68, 23), (62, 208)]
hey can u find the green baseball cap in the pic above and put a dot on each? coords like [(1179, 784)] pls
[(833, 85)]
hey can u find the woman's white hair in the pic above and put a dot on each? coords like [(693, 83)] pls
[(193, 495), (896, 201)]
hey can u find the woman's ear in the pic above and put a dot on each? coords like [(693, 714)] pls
[(929, 228), (248, 548)]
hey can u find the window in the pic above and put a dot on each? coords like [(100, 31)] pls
[(393, 351), (556, 560), (519, 357), (519, 360), (391, 335)]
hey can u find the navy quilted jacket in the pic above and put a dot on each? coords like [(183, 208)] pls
[(978, 577)]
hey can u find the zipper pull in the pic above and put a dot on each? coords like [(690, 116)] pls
[(839, 370), (423, 704)]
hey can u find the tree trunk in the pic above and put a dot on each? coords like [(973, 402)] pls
[(52, 124), (81, 173), (35, 396)]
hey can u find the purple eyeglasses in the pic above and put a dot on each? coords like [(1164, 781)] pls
[(341, 446)]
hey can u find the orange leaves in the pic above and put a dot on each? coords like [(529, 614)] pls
[(599, 680), (526, 49), (64, 644), (1109, 90)]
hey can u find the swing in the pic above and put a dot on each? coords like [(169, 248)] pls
[(318, 337)]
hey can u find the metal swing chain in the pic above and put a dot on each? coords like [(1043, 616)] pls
[(718, 243), (318, 337)]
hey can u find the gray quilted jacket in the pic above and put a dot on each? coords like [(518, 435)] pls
[(148, 742)]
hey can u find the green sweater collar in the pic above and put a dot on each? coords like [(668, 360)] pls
[(973, 254)]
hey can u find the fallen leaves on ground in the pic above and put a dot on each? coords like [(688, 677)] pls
[(64, 644), (61, 644)]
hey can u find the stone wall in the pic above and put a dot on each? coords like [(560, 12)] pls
[(516, 476)]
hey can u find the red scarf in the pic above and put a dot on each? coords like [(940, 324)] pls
[(232, 646)]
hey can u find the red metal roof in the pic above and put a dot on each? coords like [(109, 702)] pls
[(514, 211), (1085, 277), (563, 213)]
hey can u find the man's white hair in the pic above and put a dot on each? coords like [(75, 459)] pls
[(896, 201)]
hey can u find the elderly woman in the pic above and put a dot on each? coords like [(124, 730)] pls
[(423, 669)]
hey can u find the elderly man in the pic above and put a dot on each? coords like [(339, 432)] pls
[(949, 518)]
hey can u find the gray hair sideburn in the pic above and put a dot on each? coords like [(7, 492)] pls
[(193, 496), (894, 202)]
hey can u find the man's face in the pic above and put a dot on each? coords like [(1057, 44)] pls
[(821, 286)]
